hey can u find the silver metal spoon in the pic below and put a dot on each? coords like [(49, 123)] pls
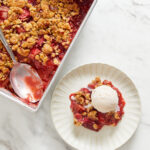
[(24, 79)]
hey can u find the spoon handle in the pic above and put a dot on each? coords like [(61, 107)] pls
[(3, 40)]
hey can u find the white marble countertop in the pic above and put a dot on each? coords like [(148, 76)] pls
[(117, 33)]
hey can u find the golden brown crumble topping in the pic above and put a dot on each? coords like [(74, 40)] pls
[(27, 23), (93, 115)]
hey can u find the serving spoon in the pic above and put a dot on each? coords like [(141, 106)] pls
[(24, 79)]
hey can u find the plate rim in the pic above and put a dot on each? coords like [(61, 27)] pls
[(104, 64)]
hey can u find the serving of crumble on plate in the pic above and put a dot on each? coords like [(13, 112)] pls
[(113, 129)]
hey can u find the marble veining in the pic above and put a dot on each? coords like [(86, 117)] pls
[(117, 33)]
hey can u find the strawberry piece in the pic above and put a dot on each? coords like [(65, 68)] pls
[(78, 116), (20, 30), (40, 41), (34, 51), (25, 15), (47, 71), (50, 63), (8, 27), (4, 8), (3, 12), (91, 86), (33, 2), (3, 15), (61, 56), (105, 82), (85, 90), (89, 124), (76, 107)]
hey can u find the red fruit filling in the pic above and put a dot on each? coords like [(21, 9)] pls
[(86, 115), (3, 12)]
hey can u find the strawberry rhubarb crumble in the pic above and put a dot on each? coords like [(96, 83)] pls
[(93, 112), (39, 33)]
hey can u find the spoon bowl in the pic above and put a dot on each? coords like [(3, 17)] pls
[(26, 82)]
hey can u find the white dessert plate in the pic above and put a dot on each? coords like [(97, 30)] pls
[(108, 138)]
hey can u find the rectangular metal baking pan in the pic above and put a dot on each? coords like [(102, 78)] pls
[(8, 95)]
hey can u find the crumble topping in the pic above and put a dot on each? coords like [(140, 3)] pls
[(24, 24)]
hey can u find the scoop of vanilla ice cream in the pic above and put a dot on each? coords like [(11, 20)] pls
[(104, 99)]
